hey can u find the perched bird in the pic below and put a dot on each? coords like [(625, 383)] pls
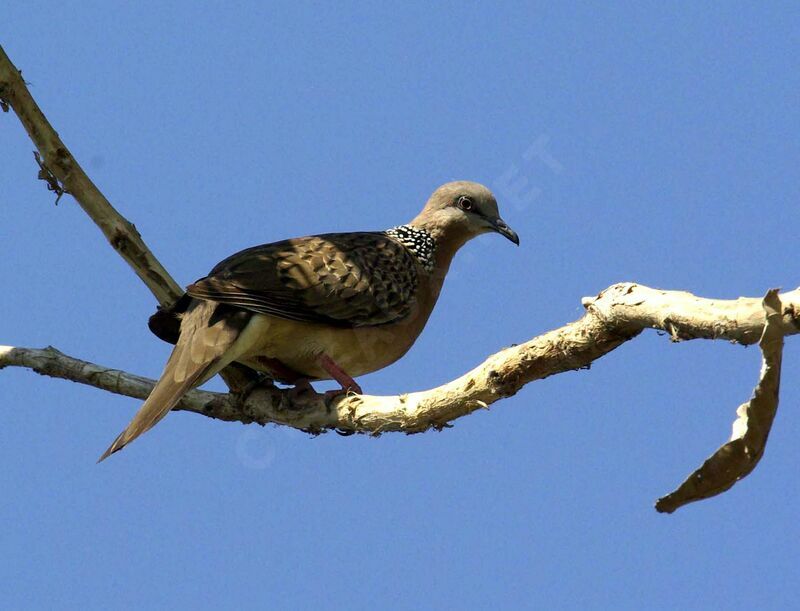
[(332, 306)]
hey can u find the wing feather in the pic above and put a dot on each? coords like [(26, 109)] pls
[(340, 279)]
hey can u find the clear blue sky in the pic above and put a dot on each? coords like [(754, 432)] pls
[(662, 147)]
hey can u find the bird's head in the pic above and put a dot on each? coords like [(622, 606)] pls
[(459, 211)]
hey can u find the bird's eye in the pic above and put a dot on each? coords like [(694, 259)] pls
[(465, 203)]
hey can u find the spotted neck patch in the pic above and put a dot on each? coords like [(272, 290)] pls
[(418, 242)]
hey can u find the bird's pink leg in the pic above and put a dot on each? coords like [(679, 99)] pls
[(338, 374), (303, 385)]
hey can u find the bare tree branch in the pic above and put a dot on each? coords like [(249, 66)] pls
[(616, 315), (63, 174), (685, 316)]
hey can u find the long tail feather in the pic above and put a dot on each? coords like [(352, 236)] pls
[(201, 351), (164, 396)]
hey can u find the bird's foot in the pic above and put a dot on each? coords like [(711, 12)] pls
[(337, 373), (330, 395), (302, 388), (262, 381)]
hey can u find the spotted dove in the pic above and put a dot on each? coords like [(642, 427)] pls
[(331, 306)]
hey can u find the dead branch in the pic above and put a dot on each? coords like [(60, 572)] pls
[(616, 315), (63, 174), (737, 458)]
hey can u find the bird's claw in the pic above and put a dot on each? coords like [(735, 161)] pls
[(263, 381), (303, 387)]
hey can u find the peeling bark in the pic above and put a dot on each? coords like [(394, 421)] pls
[(737, 458)]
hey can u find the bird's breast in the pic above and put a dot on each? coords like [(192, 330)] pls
[(298, 345)]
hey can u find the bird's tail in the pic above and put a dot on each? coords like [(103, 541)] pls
[(164, 396), (202, 350)]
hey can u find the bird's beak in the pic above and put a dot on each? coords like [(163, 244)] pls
[(499, 225)]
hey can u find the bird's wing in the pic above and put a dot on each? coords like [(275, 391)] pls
[(338, 279), (207, 332)]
